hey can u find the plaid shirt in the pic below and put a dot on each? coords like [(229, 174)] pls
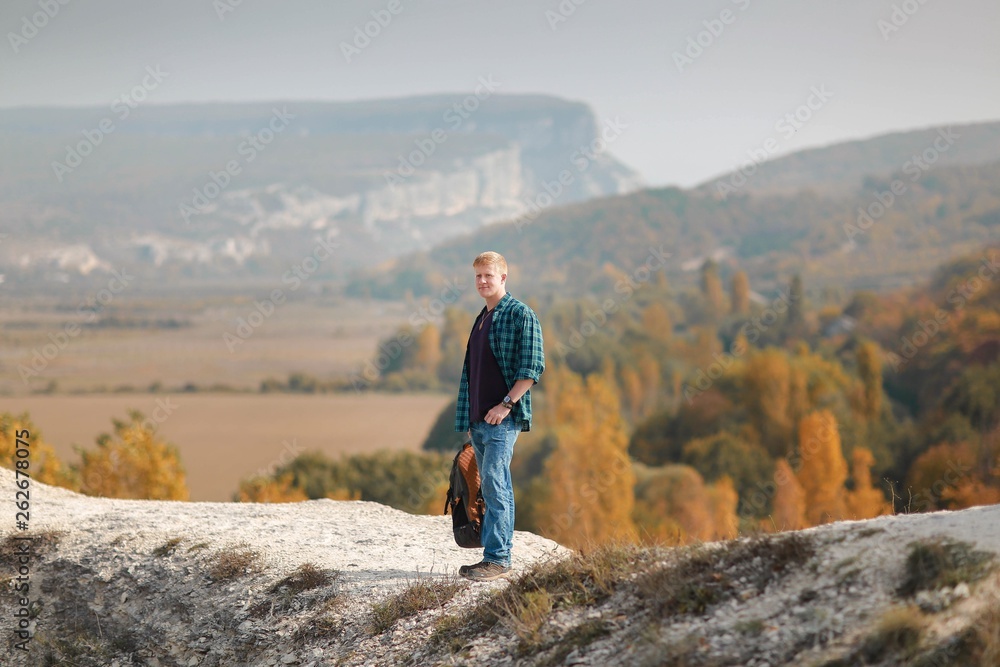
[(516, 342)]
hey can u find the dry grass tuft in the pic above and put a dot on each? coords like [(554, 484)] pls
[(706, 576), (418, 597), (236, 562), (42, 543), (168, 547), (586, 577), (896, 636), (978, 644), (305, 578), (934, 564)]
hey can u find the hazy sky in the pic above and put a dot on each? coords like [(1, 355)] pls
[(929, 62)]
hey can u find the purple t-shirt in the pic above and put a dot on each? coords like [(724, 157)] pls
[(486, 385)]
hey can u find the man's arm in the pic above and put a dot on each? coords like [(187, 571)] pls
[(520, 388), (530, 365), (531, 350), (498, 412)]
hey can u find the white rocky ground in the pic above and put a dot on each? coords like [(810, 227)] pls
[(110, 592)]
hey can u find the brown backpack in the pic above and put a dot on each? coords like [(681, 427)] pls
[(465, 499)]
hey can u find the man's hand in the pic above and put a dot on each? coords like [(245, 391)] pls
[(496, 414)]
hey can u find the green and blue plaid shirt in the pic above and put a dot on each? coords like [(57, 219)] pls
[(516, 342)]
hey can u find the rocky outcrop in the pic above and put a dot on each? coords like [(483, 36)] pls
[(212, 190), (319, 583)]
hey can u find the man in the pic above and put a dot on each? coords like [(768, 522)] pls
[(503, 360)]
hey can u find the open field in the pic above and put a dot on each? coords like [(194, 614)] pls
[(224, 438), (174, 341)]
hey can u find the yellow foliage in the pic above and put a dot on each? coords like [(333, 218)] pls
[(711, 289), (633, 391), (723, 499), (134, 463), (428, 352), (865, 501), (942, 467), (672, 506), (970, 493), (590, 493), (43, 464), (431, 504), (267, 490), (740, 294), (789, 499), (656, 322), (824, 470), (870, 372), (767, 387)]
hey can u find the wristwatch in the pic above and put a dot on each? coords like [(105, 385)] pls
[(508, 403)]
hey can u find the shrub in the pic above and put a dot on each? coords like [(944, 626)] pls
[(934, 564), (233, 563)]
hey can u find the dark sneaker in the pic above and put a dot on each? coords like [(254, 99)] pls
[(484, 571)]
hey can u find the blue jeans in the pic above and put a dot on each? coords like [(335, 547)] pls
[(494, 447)]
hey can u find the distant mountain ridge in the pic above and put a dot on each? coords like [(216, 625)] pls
[(842, 167), (867, 238), (228, 189)]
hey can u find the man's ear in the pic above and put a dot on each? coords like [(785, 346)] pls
[(503, 277)]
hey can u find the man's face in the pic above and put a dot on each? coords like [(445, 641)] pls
[(488, 281)]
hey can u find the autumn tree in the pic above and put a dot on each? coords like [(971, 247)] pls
[(280, 489), (42, 463), (722, 501), (739, 300), (789, 499), (590, 496), (640, 385), (941, 467), (823, 470), (395, 354), (799, 400), (795, 316), (864, 501), (870, 372), (656, 322), (650, 370), (672, 506), (711, 290), (454, 335), (975, 394), (745, 464), (767, 395), (972, 492), (410, 481), (133, 463), (633, 392), (427, 355)]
